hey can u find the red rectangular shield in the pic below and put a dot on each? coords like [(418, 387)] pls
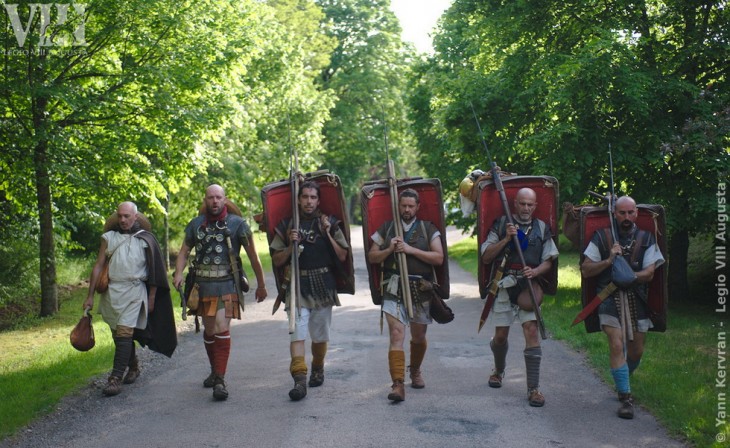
[(490, 208), (376, 209), (651, 219), (277, 201)]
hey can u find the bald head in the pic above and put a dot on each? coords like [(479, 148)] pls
[(215, 199), (626, 200), (215, 189), (524, 204), (526, 193), (625, 213)]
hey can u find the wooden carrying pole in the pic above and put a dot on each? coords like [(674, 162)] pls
[(508, 214), (401, 259), (294, 291)]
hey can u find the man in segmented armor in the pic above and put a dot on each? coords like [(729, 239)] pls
[(513, 299), (216, 234), (421, 242), (323, 248), (639, 248)]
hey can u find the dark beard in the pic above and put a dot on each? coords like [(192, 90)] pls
[(625, 228), (308, 216)]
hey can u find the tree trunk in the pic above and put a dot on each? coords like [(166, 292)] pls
[(49, 289), (166, 235), (678, 254)]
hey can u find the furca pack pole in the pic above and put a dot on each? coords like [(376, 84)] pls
[(400, 257), (515, 240), (293, 307)]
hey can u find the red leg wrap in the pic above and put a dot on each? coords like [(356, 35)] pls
[(222, 350)]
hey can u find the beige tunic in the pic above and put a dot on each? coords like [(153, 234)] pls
[(125, 303)]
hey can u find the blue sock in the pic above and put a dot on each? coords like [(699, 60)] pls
[(621, 378), (633, 365)]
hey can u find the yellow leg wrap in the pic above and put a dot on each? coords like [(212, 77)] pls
[(418, 352), (397, 364), (319, 350), (298, 366)]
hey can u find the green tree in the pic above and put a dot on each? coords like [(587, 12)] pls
[(368, 75), (556, 82), (89, 119)]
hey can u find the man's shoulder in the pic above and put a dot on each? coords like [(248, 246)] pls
[(430, 225), (385, 225), (149, 238), (234, 219), (196, 221)]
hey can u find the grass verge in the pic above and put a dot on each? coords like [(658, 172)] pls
[(38, 366), (676, 380)]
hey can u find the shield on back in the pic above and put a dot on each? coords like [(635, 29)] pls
[(651, 219), (276, 198), (376, 210), (490, 208)]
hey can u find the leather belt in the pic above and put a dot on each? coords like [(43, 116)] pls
[(212, 272), (314, 271)]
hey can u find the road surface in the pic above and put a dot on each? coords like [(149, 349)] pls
[(168, 407)]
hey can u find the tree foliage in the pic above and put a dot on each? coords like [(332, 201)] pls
[(554, 83), (368, 75), (151, 96)]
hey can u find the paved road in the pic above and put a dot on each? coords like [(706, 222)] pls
[(168, 407)]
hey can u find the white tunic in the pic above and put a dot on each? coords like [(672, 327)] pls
[(125, 303)]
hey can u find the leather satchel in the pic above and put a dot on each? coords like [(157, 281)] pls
[(439, 310), (192, 298), (621, 273), (102, 283), (82, 335)]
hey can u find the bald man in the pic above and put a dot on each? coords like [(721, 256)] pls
[(639, 248), (137, 283), (539, 253), (211, 233)]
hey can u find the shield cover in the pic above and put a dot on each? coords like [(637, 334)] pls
[(376, 209), (651, 219), (277, 201), (490, 208)]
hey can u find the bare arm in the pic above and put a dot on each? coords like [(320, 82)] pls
[(645, 275), (491, 252), (590, 268), (182, 260), (282, 257), (377, 255), (435, 256), (538, 270), (258, 271), (95, 272), (340, 251), (151, 299)]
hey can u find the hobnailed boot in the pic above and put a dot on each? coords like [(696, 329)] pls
[(417, 379), (316, 378), (627, 406), (210, 381), (495, 379), (132, 372), (219, 388), (398, 391), (113, 387), (300, 387)]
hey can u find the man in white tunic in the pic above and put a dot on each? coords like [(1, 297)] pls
[(129, 298)]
